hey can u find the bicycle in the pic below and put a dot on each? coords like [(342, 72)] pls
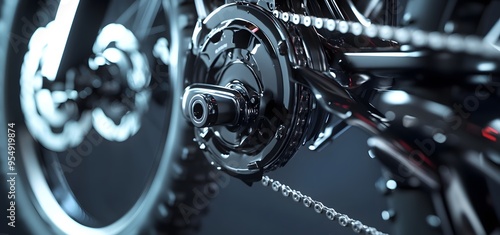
[(251, 82)]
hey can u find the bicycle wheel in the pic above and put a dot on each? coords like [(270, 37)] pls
[(113, 155)]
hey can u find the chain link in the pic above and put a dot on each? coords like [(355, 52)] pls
[(330, 213), (454, 43)]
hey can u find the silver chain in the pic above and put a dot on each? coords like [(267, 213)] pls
[(319, 208), (454, 43)]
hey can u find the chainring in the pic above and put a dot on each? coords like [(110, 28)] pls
[(244, 43)]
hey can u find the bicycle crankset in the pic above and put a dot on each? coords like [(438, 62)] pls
[(248, 114)]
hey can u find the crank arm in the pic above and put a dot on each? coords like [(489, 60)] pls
[(334, 98)]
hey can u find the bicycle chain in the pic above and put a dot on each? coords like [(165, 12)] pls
[(454, 43), (343, 219)]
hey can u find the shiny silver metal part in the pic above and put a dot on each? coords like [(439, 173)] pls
[(455, 43), (343, 219)]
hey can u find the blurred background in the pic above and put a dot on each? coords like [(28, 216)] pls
[(342, 176)]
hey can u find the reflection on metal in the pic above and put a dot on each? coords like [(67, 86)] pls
[(201, 9), (57, 39), (147, 10), (161, 50), (53, 116), (330, 132), (358, 16), (486, 67), (396, 97), (493, 35), (462, 212), (258, 130), (388, 215), (485, 164), (116, 45), (210, 105), (43, 110), (391, 184), (427, 177)]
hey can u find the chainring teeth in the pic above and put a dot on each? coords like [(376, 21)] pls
[(285, 104), (299, 131)]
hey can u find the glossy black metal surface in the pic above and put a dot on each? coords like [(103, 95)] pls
[(251, 87), (245, 44), (209, 105)]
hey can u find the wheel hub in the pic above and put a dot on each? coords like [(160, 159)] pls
[(110, 93), (248, 115), (123, 74)]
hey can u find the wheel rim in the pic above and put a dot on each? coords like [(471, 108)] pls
[(61, 181)]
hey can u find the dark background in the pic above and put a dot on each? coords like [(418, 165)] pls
[(342, 176)]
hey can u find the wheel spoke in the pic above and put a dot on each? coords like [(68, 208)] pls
[(78, 47), (127, 14), (65, 15), (147, 11)]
